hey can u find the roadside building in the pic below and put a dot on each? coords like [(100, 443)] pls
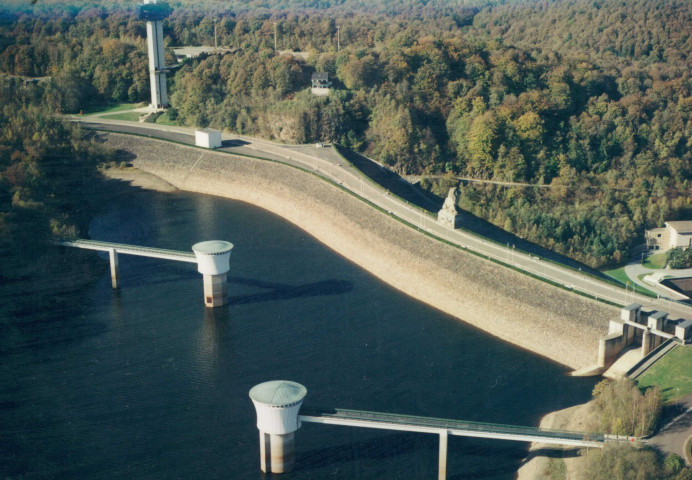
[(320, 83), (208, 138), (674, 234)]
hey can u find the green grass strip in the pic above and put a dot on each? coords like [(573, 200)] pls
[(671, 373)]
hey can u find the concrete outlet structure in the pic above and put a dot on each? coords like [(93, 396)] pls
[(213, 262), (650, 328), (277, 404)]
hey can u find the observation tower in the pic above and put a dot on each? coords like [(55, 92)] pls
[(213, 262), (277, 404), (153, 12)]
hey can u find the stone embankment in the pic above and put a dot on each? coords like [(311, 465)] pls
[(516, 308)]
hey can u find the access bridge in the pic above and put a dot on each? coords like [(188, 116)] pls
[(445, 427), (114, 249), (211, 257)]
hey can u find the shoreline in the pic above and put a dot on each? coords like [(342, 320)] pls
[(506, 304), (538, 465)]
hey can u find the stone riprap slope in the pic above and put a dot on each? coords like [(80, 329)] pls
[(516, 308)]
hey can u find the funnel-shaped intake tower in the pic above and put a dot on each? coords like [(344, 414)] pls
[(213, 262), (277, 404)]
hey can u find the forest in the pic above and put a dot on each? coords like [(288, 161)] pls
[(581, 107), (48, 167)]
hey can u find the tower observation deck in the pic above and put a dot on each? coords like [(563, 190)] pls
[(153, 12)]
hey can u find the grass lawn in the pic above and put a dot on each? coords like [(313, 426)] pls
[(130, 116), (671, 373), (657, 260), (620, 275), (116, 107), (163, 119)]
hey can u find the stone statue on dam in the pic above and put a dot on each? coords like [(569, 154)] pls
[(449, 215)]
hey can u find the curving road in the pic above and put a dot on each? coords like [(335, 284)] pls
[(327, 163)]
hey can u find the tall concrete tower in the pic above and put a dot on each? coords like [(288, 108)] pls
[(154, 12), (277, 404), (213, 262)]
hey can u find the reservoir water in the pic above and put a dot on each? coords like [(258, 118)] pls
[(146, 383)]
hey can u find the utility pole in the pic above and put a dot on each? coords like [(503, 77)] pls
[(338, 38), (216, 44), (275, 33)]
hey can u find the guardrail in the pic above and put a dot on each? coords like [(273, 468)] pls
[(453, 427)]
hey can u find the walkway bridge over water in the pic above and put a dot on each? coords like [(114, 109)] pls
[(211, 258), (445, 427), (412, 423), (131, 250)]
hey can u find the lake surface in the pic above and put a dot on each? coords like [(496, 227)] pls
[(145, 382)]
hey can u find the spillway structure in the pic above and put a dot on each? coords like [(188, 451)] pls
[(277, 404), (213, 262), (153, 12)]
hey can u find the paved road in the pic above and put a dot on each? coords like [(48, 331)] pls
[(328, 164), (671, 438), (634, 269)]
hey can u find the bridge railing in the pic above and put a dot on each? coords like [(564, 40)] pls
[(448, 424), (129, 249)]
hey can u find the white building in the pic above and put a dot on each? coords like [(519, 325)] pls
[(208, 138), (674, 234), (320, 84)]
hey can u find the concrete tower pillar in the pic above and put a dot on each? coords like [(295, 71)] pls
[(154, 11), (277, 404), (213, 263), (157, 65)]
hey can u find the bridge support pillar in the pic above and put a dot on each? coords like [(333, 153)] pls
[(215, 290), (115, 268), (442, 470)]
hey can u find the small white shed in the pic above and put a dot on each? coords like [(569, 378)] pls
[(208, 138)]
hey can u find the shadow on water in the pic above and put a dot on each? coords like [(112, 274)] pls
[(395, 445), (374, 449), (282, 291)]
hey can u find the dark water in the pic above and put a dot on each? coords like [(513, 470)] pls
[(146, 383)]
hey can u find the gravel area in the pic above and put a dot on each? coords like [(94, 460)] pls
[(531, 314)]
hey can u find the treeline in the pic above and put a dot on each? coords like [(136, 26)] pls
[(679, 258), (46, 169), (622, 409), (432, 95), (495, 93), (92, 56), (631, 463)]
